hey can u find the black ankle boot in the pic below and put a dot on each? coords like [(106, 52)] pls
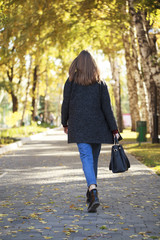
[(94, 201), (88, 196)]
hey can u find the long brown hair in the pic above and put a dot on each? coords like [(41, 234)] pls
[(84, 70)]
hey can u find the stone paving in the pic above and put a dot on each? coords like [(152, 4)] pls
[(42, 195)]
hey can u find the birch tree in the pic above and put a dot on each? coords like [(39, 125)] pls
[(116, 90), (149, 63)]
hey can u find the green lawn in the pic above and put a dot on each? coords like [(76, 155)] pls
[(147, 153), (14, 134)]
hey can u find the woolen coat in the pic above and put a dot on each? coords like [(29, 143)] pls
[(87, 112)]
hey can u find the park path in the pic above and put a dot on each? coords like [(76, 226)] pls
[(42, 196)]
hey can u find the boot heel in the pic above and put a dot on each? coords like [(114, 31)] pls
[(88, 197)]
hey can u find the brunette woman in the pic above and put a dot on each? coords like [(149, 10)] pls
[(87, 118)]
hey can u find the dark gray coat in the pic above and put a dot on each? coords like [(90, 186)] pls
[(87, 112)]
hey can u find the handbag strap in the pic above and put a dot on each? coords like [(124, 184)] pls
[(116, 140)]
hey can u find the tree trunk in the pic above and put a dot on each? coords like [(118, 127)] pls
[(37, 96), (119, 117), (14, 97), (158, 109), (34, 87), (46, 99), (149, 63), (15, 102), (131, 83), (142, 97), (116, 91), (27, 91)]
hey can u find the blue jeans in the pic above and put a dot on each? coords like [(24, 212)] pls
[(89, 154)]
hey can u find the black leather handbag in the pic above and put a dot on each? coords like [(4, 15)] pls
[(119, 161)]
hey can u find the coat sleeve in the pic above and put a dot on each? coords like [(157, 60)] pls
[(106, 107), (65, 103)]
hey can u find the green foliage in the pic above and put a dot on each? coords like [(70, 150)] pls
[(6, 86), (13, 118), (52, 33)]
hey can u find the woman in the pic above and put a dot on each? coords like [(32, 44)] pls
[(87, 118)]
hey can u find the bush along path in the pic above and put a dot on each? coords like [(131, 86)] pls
[(42, 196)]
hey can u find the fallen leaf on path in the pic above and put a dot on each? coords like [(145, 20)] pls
[(10, 219), (72, 206), (45, 237), (3, 215), (43, 222), (77, 216), (103, 227), (6, 227), (113, 229), (31, 227)]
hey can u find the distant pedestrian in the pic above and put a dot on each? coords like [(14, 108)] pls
[(51, 118), (87, 118), (41, 118)]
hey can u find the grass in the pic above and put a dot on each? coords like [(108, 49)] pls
[(147, 153), (14, 134)]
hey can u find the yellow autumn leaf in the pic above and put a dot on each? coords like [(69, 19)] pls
[(33, 215), (6, 227), (142, 233), (133, 236), (28, 203), (31, 227), (103, 227), (72, 206), (113, 229), (10, 219), (3, 215), (43, 222), (45, 237)]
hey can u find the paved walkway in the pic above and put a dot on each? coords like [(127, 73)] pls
[(42, 193)]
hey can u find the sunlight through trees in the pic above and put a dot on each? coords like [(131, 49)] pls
[(39, 39)]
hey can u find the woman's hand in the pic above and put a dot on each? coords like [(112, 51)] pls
[(66, 130), (116, 135)]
